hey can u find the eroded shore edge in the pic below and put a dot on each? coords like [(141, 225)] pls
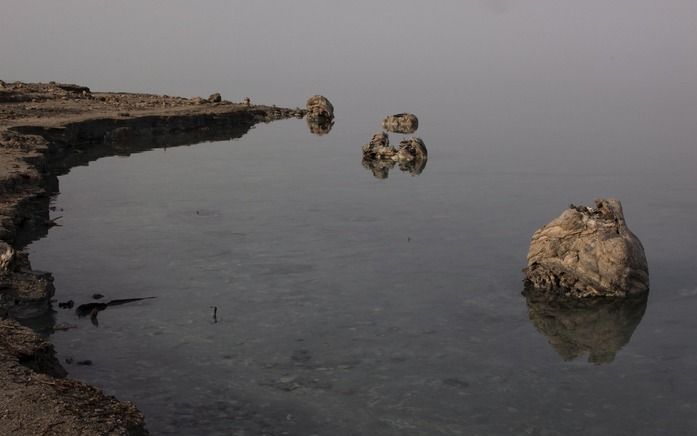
[(46, 129)]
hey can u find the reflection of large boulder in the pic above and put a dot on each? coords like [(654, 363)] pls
[(588, 252), (401, 123), (319, 108), (597, 326)]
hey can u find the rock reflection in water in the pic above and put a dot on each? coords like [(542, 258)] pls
[(381, 167), (401, 123), (599, 327), (320, 126), (380, 157)]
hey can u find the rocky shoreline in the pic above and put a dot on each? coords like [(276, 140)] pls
[(46, 129)]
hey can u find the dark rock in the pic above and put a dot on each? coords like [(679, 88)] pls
[(77, 89), (215, 98), (97, 296), (588, 252), (66, 305)]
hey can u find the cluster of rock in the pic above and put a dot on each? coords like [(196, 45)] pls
[(411, 155), (588, 252)]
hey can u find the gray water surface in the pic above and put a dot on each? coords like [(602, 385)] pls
[(349, 305)]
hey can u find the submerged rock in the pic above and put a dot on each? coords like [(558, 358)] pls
[(599, 327), (588, 252), (401, 123), (319, 108)]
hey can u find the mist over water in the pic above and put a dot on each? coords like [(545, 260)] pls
[(347, 304)]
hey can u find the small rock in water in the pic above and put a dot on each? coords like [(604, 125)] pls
[(401, 123), (85, 362), (97, 296)]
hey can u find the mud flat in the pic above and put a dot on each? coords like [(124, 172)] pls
[(46, 129)]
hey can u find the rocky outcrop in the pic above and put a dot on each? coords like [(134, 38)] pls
[(588, 252), (319, 109), (401, 123)]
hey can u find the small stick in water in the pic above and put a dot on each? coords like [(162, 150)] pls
[(215, 314)]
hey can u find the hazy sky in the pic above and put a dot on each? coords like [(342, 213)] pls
[(191, 47)]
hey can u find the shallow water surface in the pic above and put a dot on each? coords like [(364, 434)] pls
[(351, 305)]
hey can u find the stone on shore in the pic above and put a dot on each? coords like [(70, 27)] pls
[(215, 98), (588, 252)]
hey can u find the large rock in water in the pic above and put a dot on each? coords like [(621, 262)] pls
[(588, 252)]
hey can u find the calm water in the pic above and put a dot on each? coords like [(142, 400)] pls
[(349, 305)]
